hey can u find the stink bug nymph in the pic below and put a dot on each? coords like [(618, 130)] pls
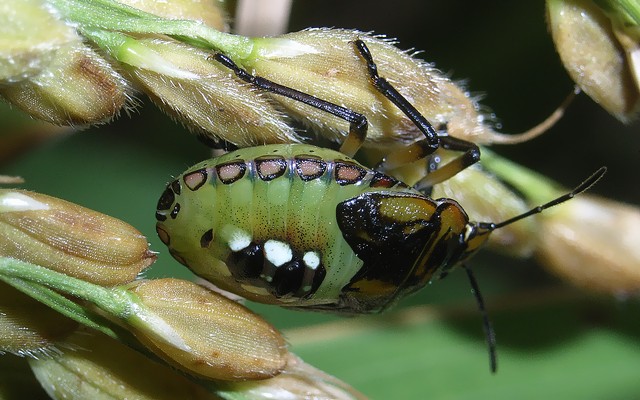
[(307, 227)]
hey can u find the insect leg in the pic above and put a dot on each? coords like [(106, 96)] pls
[(470, 156), (214, 143), (489, 333), (358, 123), (421, 149), (406, 155), (432, 141)]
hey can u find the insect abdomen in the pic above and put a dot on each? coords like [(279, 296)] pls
[(264, 225), (302, 226)]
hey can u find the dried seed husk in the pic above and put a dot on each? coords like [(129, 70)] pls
[(631, 45), (48, 72), (99, 367), (587, 241), (205, 333), (204, 95), (71, 239), (593, 57), (30, 35), (197, 330), (6, 179), (594, 244), (298, 381), (325, 63), (78, 87)]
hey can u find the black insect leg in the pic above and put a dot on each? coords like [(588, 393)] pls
[(358, 123), (489, 333), (421, 149), (470, 156), (214, 143), (432, 141)]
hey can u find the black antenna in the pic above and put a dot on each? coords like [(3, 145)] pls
[(590, 181), (489, 333)]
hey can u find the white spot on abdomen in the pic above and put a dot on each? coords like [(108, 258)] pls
[(239, 240), (311, 259), (277, 252)]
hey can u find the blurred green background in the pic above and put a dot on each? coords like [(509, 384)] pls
[(553, 340)]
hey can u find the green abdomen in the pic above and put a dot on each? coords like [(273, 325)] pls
[(282, 224), (261, 222)]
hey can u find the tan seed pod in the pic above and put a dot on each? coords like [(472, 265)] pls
[(298, 381), (593, 243), (47, 71), (71, 239), (631, 45), (626, 28), (12, 180), (201, 93), (325, 63), (30, 37), (593, 57), (78, 87), (28, 327), (204, 333), (99, 367)]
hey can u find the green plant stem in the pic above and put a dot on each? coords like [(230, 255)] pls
[(114, 301), (110, 15), (535, 187), (130, 51), (64, 306), (630, 7)]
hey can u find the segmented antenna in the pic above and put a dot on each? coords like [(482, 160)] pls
[(590, 181), (489, 333)]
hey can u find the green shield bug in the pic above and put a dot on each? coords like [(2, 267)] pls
[(307, 227)]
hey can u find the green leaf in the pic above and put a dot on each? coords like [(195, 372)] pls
[(550, 345)]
